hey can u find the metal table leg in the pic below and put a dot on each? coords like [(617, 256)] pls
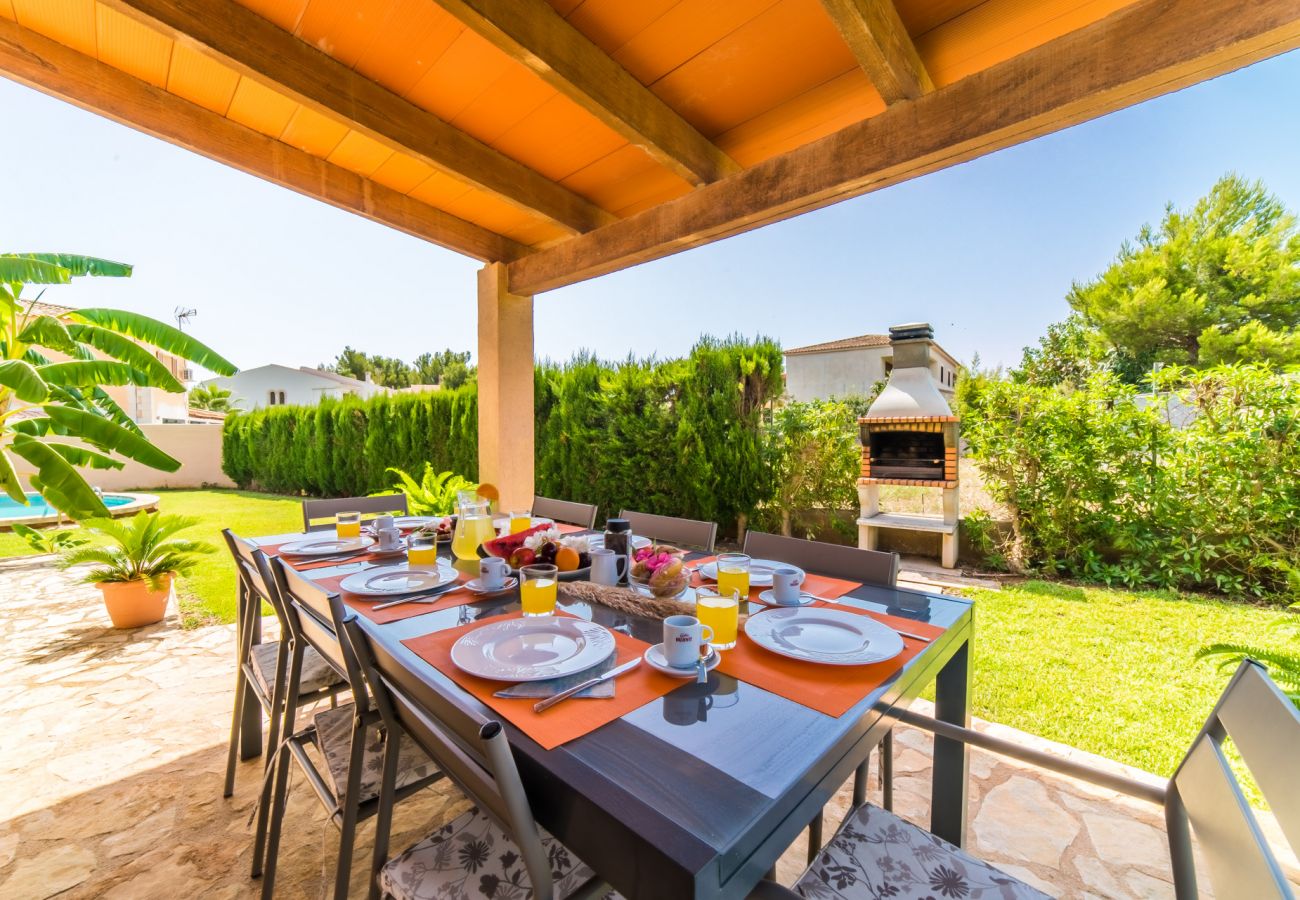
[(951, 758), (250, 726)]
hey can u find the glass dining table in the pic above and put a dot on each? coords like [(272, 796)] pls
[(696, 794)]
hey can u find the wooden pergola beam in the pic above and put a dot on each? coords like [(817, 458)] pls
[(1147, 49), (883, 48), (533, 33), (259, 49), (53, 68)]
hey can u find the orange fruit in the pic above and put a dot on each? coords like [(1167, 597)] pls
[(489, 492), (566, 559)]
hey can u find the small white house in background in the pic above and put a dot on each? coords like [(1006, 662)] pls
[(853, 366), (274, 385)]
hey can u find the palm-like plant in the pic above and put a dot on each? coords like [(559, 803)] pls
[(212, 397), (434, 494), (142, 548), (1282, 661), (53, 369)]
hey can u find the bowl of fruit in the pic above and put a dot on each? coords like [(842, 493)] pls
[(542, 544), (659, 571), (441, 531)]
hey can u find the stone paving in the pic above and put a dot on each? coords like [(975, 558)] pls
[(113, 751)]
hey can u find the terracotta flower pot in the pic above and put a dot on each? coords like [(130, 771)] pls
[(131, 604)]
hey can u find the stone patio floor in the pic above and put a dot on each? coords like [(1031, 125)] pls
[(113, 751)]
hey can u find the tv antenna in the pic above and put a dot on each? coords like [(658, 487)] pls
[(183, 315)]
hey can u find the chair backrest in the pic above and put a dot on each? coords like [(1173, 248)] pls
[(471, 749), (1265, 727), (566, 511), (852, 563), (667, 529), (315, 617), (256, 581), (318, 515)]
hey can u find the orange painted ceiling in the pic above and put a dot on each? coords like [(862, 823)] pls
[(758, 77)]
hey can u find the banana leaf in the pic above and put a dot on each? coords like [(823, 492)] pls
[(24, 380), (160, 334), (80, 456), (110, 436), (30, 270), (61, 485), (76, 264), (9, 480), (103, 402), (48, 331), (129, 352), (89, 373), (36, 357)]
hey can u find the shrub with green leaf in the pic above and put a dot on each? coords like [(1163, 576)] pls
[(434, 494), (55, 416), (49, 541), (1279, 657), (143, 547), (815, 457)]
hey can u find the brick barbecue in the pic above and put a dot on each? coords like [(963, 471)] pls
[(910, 438)]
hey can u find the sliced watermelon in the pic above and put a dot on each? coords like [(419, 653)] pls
[(508, 544)]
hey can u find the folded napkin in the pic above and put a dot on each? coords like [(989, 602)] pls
[(550, 687)]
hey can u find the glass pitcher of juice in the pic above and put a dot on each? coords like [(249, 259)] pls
[(473, 527)]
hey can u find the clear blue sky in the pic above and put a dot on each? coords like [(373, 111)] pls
[(985, 251)]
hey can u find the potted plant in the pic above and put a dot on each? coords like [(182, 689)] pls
[(135, 566)]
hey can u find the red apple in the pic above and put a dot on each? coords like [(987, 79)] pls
[(522, 557)]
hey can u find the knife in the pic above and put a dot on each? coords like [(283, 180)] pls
[(418, 598), (542, 705)]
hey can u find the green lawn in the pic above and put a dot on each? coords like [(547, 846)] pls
[(1108, 671), (208, 595)]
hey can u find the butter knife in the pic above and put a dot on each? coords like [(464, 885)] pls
[(418, 598), (543, 705)]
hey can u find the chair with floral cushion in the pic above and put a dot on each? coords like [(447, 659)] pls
[(875, 854), (494, 850), (350, 739), (262, 673)]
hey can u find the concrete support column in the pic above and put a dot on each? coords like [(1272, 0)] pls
[(505, 388)]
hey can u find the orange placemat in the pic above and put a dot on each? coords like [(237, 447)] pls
[(566, 528), (305, 563), (565, 721), (820, 585), (366, 605), (832, 690)]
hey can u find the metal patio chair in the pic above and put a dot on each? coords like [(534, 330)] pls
[(350, 740), (318, 515), (869, 567), (691, 533), (261, 673), (1203, 797), (474, 752), (566, 511)]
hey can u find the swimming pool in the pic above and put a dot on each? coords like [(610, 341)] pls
[(39, 511)]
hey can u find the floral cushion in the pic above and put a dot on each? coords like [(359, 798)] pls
[(316, 673), (876, 855), (471, 857), (334, 737)]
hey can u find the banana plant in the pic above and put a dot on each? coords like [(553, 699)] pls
[(55, 416)]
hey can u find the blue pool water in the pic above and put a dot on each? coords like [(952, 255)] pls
[(11, 510)]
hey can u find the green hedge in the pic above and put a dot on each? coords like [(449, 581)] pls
[(677, 437)]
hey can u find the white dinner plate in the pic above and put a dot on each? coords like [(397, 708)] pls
[(384, 581), (532, 649), (598, 540), (323, 546), (829, 636), (760, 571), (407, 523), (654, 656)]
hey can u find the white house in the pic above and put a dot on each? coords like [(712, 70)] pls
[(274, 385), (853, 366)]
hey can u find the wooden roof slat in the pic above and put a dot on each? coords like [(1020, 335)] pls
[(54, 68), (533, 33), (261, 50), (883, 48), (1149, 48)]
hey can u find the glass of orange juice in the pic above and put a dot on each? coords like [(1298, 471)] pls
[(537, 586), (520, 521), (422, 550), (733, 575), (720, 610), (348, 525)]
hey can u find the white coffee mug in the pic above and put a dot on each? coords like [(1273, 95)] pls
[(389, 538), (607, 567), (492, 572), (786, 584), (379, 523), (685, 641)]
